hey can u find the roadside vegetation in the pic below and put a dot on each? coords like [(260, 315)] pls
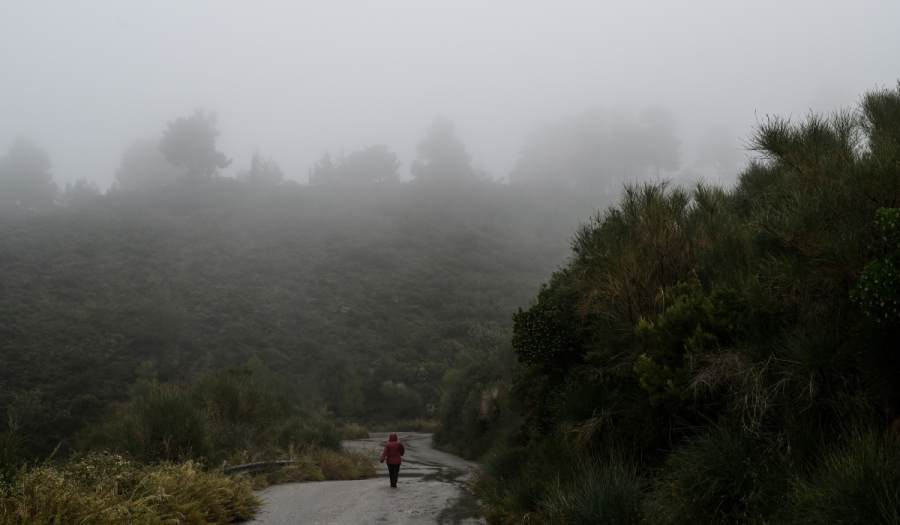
[(163, 455), (709, 355), (183, 323), (358, 296)]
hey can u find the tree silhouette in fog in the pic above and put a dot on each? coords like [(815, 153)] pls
[(25, 178), (442, 157), (324, 171), (375, 164), (82, 193), (191, 143), (144, 167), (262, 172)]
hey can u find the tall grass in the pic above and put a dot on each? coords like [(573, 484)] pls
[(721, 476), (108, 489), (600, 491), (407, 425), (350, 431), (11, 459), (857, 482)]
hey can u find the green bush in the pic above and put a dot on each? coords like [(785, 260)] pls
[(161, 423), (474, 410), (304, 432), (693, 324), (878, 292), (738, 343), (601, 491), (857, 482), (231, 414), (721, 476), (11, 459), (353, 431)]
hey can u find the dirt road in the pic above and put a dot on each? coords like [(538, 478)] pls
[(430, 490)]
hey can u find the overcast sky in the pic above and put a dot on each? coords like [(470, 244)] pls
[(85, 79)]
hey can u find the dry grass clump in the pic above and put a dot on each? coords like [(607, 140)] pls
[(348, 464), (353, 431), (408, 425), (320, 464), (107, 489), (305, 469)]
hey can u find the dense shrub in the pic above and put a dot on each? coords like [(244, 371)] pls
[(226, 415), (474, 410), (739, 344), (722, 476), (857, 482), (338, 288), (601, 491)]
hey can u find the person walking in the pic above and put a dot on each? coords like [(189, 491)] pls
[(393, 449)]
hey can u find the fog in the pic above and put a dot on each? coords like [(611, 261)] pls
[(85, 80)]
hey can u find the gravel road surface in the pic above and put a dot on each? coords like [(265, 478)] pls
[(430, 490)]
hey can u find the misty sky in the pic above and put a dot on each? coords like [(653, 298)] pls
[(85, 79)]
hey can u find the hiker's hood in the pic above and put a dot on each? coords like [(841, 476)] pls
[(393, 437)]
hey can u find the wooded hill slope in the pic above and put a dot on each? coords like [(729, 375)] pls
[(361, 294)]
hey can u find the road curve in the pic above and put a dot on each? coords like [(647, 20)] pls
[(430, 490)]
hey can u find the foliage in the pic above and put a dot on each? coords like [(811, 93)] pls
[(550, 333), (599, 491), (409, 425), (717, 477), (103, 488), (25, 179), (144, 167), (80, 194), (263, 172), (319, 464), (321, 283), (372, 165), (353, 431), (442, 157), (755, 319), (225, 414), (160, 424), (474, 408), (11, 458), (878, 292), (692, 325), (858, 482), (191, 143)]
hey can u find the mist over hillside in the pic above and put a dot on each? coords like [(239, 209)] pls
[(344, 289), (637, 259)]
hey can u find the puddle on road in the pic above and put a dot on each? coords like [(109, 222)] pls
[(464, 509), (445, 475)]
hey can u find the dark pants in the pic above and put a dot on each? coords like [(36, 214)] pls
[(394, 470)]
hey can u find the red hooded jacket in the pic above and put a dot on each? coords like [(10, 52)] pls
[(392, 451)]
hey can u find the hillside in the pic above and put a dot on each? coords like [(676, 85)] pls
[(359, 294)]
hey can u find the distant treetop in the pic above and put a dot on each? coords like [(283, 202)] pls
[(191, 143), (442, 157), (375, 164), (25, 178)]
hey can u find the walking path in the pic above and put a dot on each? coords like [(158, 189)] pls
[(430, 490)]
